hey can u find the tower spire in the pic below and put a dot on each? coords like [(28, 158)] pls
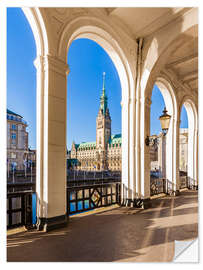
[(103, 89), (103, 98)]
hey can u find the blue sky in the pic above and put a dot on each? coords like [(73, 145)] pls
[(87, 61), (84, 87), (157, 107), (21, 73)]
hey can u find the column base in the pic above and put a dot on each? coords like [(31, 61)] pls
[(49, 224), (129, 202), (174, 193), (139, 203), (142, 203), (194, 188)]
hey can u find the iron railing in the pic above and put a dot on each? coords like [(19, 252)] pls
[(96, 175), (161, 185), (20, 186), (82, 195), (20, 209), (15, 176), (21, 204), (157, 186), (188, 182), (90, 194), (183, 180)]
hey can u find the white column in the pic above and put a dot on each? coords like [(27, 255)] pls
[(144, 190), (191, 146), (196, 157), (176, 156), (132, 168), (125, 152), (172, 152), (51, 142), (162, 155)]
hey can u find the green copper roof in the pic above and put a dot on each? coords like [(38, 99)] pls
[(117, 138), (10, 112), (86, 144), (103, 98)]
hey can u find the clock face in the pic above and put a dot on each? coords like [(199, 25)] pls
[(100, 125)]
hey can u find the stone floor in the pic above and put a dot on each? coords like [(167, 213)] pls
[(120, 234)]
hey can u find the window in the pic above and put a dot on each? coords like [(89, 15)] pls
[(13, 136), (13, 155), (13, 126)]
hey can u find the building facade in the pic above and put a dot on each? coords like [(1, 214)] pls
[(183, 150), (18, 152), (158, 152), (106, 152)]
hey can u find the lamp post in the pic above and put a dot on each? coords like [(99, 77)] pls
[(165, 122)]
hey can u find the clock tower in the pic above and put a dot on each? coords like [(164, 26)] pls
[(103, 130)]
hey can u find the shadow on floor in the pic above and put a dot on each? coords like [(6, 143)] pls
[(121, 234)]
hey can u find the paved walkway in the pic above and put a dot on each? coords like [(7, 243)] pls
[(119, 234)]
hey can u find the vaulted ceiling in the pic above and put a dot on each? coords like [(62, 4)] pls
[(143, 22), (184, 59)]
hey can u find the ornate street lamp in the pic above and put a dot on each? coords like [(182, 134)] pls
[(165, 121)]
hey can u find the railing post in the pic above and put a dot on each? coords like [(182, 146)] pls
[(165, 186), (10, 212), (23, 209), (68, 203), (117, 193), (31, 172), (8, 170), (188, 182), (13, 176)]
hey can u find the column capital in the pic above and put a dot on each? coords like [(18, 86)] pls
[(146, 100), (53, 63), (125, 102), (132, 100), (178, 121)]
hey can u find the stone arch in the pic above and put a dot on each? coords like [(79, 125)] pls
[(155, 58), (157, 49), (171, 138), (36, 22), (93, 29), (192, 137)]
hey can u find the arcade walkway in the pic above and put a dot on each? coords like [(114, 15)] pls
[(119, 234)]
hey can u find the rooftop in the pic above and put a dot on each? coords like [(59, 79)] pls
[(13, 113), (117, 138)]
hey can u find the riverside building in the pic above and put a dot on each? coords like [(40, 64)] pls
[(18, 152)]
